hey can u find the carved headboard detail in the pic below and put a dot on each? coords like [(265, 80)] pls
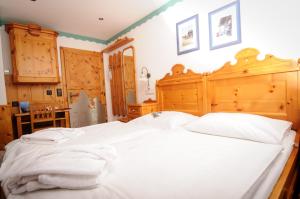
[(181, 91), (268, 87)]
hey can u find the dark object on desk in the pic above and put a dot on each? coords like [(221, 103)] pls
[(24, 107)]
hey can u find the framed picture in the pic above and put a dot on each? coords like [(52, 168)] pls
[(187, 32), (225, 26)]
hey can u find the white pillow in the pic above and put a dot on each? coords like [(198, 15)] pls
[(164, 119), (242, 126)]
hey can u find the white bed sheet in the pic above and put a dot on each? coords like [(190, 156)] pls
[(148, 161), (266, 185)]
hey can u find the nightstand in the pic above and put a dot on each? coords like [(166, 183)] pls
[(123, 119), (137, 110)]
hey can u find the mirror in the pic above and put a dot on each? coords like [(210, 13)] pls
[(128, 62)]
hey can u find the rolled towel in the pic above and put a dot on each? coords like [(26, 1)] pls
[(52, 135)]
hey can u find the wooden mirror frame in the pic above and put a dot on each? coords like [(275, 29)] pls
[(134, 63)]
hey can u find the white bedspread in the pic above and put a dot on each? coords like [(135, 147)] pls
[(172, 165)]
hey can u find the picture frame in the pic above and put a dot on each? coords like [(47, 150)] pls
[(187, 35), (225, 26)]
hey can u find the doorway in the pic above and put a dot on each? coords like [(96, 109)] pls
[(83, 75)]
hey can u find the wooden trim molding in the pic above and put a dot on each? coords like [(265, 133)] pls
[(156, 12), (117, 44), (248, 65)]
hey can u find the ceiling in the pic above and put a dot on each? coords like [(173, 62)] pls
[(79, 16)]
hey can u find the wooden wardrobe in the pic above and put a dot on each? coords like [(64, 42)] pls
[(33, 53)]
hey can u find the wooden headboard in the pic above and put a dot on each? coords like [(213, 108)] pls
[(268, 87), (181, 91)]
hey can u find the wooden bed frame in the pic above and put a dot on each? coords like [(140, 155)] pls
[(268, 87)]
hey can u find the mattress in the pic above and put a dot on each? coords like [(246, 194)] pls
[(173, 164), (265, 186)]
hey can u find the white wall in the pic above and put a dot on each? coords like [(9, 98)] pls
[(3, 100), (272, 26)]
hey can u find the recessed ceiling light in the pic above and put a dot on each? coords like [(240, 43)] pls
[(100, 18)]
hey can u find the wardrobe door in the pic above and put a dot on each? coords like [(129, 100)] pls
[(34, 54), (116, 81)]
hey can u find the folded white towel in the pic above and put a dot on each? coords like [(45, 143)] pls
[(52, 135), (71, 167), (70, 181)]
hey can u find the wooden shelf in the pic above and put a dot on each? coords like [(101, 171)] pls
[(117, 44), (62, 118), (45, 120), (23, 120)]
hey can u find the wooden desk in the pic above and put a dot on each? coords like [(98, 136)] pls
[(62, 119)]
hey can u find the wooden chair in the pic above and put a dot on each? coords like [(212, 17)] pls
[(42, 116)]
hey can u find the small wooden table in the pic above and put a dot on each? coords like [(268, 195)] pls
[(62, 119)]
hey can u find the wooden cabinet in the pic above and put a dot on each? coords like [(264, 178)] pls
[(6, 132), (33, 54), (137, 110)]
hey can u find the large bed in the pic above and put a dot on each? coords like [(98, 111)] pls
[(160, 156)]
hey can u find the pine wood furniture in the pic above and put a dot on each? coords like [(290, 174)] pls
[(268, 87), (116, 84), (83, 72), (34, 93), (42, 117), (117, 44), (129, 80), (6, 132), (137, 110), (33, 54), (122, 80)]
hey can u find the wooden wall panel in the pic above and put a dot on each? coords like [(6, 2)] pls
[(34, 93), (6, 132), (85, 68)]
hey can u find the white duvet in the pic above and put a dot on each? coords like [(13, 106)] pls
[(154, 164)]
